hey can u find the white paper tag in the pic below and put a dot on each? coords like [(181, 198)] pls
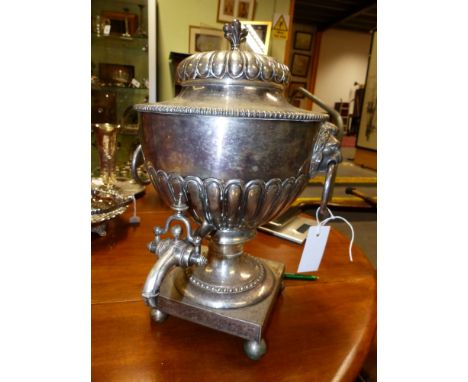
[(313, 249), (135, 83), (107, 29)]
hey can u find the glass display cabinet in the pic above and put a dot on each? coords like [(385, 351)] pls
[(123, 70)]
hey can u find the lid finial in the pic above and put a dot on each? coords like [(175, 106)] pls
[(234, 32)]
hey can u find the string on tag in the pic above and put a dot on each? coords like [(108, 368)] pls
[(134, 219), (333, 217)]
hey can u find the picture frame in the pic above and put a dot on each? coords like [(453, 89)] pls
[(258, 38), (235, 9), (303, 40), (300, 65), (203, 39), (293, 85), (367, 132), (117, 21)]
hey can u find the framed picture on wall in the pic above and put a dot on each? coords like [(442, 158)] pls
[(235, 9), (121, 22), (202, 39), (367, 133), (303, 41), (258, 38), (300, 65)]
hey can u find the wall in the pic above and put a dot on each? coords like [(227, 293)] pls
[(174, 19), (367, 136), (296, 81), (343, 60)]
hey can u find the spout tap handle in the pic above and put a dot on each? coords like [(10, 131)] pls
[(199, 260), (176, 231), (152, 246), (158, 231)]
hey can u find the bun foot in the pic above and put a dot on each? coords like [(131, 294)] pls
[(255, 350), (158, 315)]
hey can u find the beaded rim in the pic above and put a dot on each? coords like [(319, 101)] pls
[(241, 113), (219, 289)]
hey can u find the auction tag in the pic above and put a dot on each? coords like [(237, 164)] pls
[(313, 249), (135, 83)]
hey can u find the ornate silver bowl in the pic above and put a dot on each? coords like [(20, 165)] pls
[(233, 152), (106, 204)]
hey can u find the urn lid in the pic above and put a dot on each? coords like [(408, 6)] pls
[(234, 65), (232, 83)]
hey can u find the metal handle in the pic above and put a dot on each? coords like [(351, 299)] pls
[(326, 153), (136, 156), (334, 115), (327, 190)]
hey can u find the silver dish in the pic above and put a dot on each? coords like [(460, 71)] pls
[(127, 187), (107, 204)]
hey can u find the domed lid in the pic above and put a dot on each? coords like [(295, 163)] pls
[(232, 65), (232, 83)]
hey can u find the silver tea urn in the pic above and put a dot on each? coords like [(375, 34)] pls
[(230, 151)]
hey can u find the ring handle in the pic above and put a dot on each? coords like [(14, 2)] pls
[(326, 156), (135, 159), (327, 190)]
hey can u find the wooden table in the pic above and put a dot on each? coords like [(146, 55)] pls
[(318, 330)]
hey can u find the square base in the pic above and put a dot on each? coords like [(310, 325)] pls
[(247, 322)]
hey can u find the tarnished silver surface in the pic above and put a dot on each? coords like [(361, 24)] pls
[(227, 148), (106, 204), (236, 153), (326, 149), (158, 315), (136, 158), (172, 252), (100, 229), (226, 98), (233, 84), (232, 204), (254, 349), (234, 64), (127, 187), (246, 322), (231, 279)]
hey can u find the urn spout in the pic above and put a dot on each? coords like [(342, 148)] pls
[(171, 252), (156, 277)]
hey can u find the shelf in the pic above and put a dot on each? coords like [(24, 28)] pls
[(119, 89), (117, 41), (116, 37)]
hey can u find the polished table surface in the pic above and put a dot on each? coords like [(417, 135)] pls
[(318, 330)]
